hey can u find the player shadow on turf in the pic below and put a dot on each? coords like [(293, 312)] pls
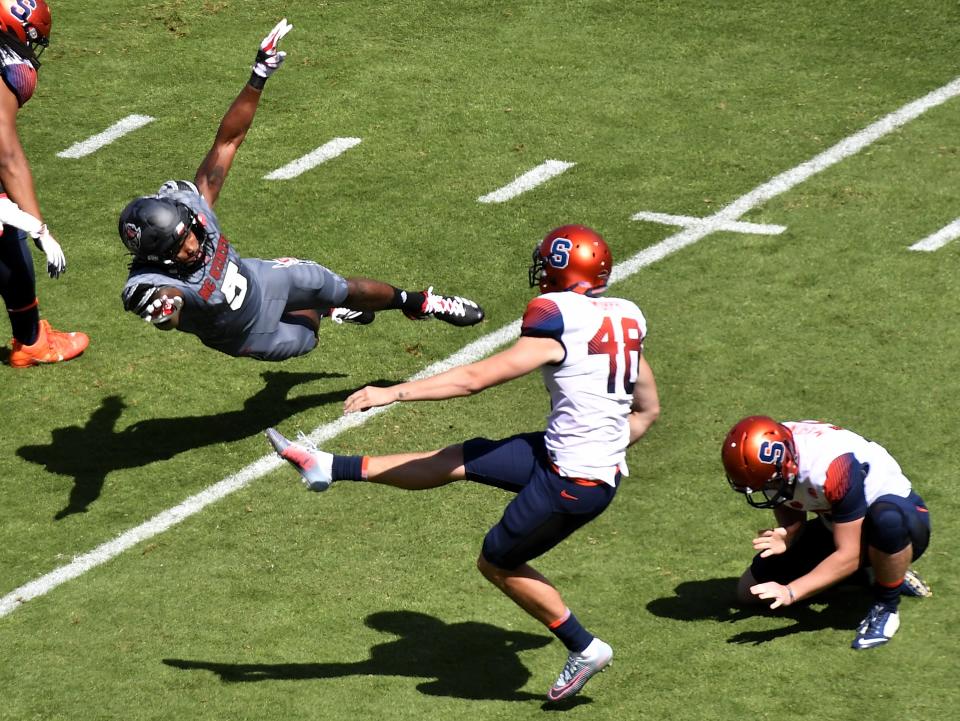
[(841, 607), (468, 660), (90, 452)]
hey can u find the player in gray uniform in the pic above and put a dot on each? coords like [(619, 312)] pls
[(185, 274)]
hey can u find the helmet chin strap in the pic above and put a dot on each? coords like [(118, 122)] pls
[(784, 491)]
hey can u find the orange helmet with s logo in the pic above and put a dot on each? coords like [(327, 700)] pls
[(760, 459), (571, 257), (29, 21)]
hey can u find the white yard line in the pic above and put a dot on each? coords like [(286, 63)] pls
[(481, 347), (787, 180), (940, 238), (528, 181), (114, 132), (327, 151), (688, 221)]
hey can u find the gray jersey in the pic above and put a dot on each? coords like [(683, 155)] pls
[(221, 297)]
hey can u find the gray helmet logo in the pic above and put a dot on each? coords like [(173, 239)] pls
[(132, 234)]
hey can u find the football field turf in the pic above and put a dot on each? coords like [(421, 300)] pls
[(760, 173)]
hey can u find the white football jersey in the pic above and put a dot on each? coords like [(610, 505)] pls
[(825, 480), (591, 389)]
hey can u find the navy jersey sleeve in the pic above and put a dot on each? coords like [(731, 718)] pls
[(542, 319), (19, 77), (844, 488)]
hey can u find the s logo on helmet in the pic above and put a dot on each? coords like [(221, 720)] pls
[(560, 252), (772, 452), (131, 236), (23, 8)]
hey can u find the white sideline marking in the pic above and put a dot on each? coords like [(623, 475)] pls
[(940, 238), (114, 132), (481, 347), (327, 151), (688, 221), (529, 180)]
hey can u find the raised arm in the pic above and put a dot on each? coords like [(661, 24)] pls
[(239, 117)]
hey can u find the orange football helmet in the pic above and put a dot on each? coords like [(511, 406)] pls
[(27, 20), (571, 257), (760, 459)]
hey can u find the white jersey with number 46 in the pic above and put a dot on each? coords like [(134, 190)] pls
[(591, 389)]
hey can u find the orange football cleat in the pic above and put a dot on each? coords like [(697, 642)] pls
[(51, 346)]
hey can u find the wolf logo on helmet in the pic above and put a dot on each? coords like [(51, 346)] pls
[(571, 257), (131, 236), (153, 228)]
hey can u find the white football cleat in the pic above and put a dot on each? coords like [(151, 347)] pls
[(313, 465), (580, 668)]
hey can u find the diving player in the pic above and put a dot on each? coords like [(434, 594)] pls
[(185, 273)]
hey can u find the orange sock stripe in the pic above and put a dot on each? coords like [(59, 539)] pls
[(560, 620), (36, 302), (895, 584), (363, 466)]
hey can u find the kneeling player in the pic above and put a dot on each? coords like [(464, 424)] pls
[(867, 514)]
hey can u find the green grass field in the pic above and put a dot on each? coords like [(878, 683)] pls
[(364, 603)]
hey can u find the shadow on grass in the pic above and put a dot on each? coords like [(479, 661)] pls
[(469, 660), (89, 452), (842, 608)]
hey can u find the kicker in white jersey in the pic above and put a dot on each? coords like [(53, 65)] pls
[(592, 388)]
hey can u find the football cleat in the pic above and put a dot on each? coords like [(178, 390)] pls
[(51, 346), (452, 309), (314, 466), (579, 669), (877, 628), (914, 586), (348, 315)]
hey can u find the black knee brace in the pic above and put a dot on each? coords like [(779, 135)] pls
[(886, 528)]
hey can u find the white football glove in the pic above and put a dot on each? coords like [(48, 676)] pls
[(162, 309), (56, 260), (11, 214), (268, 57)]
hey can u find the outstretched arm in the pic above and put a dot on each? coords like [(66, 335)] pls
[(239, 117), (160, 306), (527, 354)]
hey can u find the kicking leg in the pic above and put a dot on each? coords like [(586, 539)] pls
[(410, 471), (417, 471)]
